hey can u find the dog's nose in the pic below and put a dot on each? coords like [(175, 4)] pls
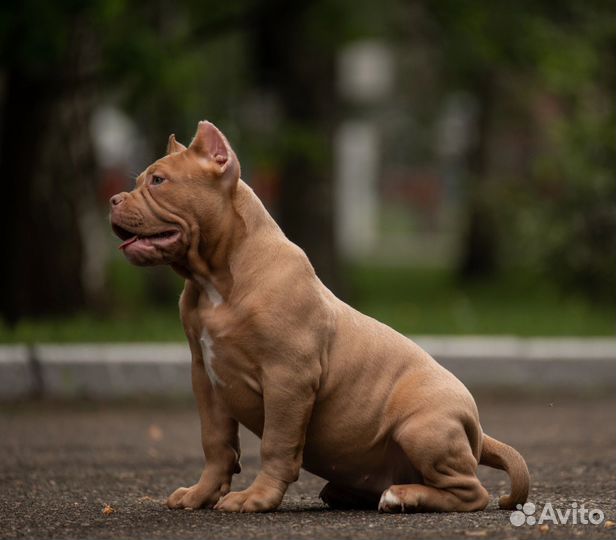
[(117, 199)]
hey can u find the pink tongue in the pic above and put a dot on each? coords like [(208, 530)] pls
[(128, 242)]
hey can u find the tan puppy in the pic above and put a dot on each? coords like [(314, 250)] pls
[(324, 386)]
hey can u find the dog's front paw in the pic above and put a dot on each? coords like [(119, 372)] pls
[(249, 500), (200, 495), (264, 495)]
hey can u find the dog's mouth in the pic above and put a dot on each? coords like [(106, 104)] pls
[(158, 239)]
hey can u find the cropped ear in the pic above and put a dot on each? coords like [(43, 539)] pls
[(211, 144), (174, 146)]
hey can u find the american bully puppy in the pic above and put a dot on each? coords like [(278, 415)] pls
[(324, 386)]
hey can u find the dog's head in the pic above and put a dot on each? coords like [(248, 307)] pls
[(179, 202)]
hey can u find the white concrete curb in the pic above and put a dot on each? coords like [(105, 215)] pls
[(514, 348), (122, 370), (102, 370), (539, 364), (16, 375)]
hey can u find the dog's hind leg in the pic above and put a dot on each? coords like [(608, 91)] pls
[(442, 454)]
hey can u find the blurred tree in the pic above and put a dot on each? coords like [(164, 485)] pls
[(45, 155), (295, 63), (479, 44), (170, 66), (202, 67), (508, 55), (564, 213)]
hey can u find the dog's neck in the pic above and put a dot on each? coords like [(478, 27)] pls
[(209, 261)]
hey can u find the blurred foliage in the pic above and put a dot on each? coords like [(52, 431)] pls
[(543, 77), (539, 190), (577, 168), (568, 217)]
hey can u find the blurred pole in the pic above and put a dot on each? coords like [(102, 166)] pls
[(365, 81), (357, 199)]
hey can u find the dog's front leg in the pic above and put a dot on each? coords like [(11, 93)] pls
[(288, 400), (220, 440)]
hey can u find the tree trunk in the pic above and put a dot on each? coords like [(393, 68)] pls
[(479, 254), (47, 166), (300, 67)]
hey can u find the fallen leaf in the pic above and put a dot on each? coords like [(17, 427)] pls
[(155, 433), (609, 524), (544, 528), (108, 510)]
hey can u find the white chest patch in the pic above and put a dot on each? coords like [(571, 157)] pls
[(208, 357), (211, 291)]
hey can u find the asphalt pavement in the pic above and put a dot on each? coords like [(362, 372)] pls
[(85, 470)]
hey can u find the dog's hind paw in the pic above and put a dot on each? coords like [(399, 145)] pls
[(390, 503)]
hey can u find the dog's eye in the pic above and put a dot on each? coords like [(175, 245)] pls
[(157, 180)]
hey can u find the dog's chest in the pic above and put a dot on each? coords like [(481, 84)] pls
[(207, 351), (224, 338)]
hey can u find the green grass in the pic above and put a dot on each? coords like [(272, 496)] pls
[(414, 301), (146, 326), (419, 301)]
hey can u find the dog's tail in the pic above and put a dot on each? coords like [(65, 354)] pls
[(501, 456)]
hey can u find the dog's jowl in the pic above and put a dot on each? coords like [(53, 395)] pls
[(324, 386)]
